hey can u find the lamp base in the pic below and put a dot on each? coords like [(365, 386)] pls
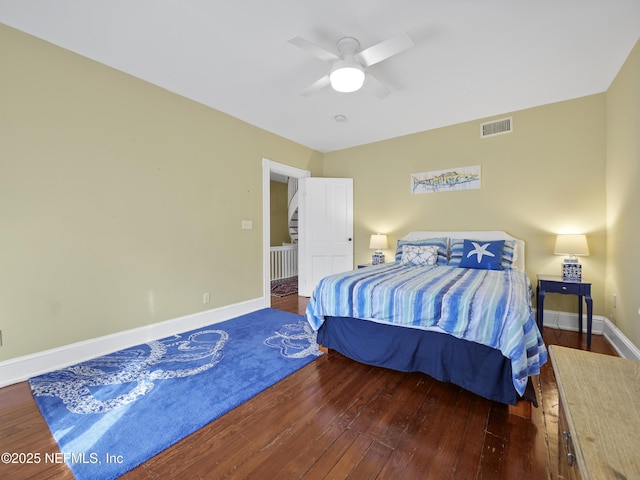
[(571, 271), (377, 258)]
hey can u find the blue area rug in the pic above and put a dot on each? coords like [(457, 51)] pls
[(112, 413)]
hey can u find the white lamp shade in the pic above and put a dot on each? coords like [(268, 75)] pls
[(574, 245), (347, 78), (378, 242)]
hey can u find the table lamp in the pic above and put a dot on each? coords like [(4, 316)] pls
[(571, 246), (378, 243)]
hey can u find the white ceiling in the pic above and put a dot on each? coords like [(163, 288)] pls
[(472, 59)]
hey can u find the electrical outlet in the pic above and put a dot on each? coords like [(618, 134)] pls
[(206, 298), (247, 225), (615, 300)]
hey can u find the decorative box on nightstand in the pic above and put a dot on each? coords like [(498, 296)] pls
[(571, 272), (377, 258)]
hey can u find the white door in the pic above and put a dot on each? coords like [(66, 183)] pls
[(325, 220)]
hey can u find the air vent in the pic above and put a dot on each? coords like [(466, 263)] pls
[(497, 127)]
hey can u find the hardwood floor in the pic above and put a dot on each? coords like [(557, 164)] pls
[(336, 418)]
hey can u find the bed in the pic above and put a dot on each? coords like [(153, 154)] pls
[(454, 305)]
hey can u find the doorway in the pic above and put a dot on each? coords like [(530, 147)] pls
[(272, 169)]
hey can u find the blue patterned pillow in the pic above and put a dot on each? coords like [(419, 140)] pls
[(440, 242), (457, 245), (419, 255), (509, 254), (455, 251), (482, 254)]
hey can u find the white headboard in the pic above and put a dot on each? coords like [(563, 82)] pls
[(482, 235)]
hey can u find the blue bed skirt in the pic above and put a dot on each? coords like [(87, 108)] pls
[(472, 366)]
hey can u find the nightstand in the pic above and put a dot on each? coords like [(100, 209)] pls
[(555, 284)]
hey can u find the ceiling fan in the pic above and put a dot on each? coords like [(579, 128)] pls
[(347, 73)]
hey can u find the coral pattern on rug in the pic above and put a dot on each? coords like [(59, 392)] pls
[(295, 340), (138, 368)]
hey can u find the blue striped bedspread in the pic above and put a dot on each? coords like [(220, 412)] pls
[(490, 307)]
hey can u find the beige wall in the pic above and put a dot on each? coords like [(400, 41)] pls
[(544, 178), (114, 195), (279, 211), (623, 198), (121, 203)]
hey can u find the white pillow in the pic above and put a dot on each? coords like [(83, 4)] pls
[(419, 255)]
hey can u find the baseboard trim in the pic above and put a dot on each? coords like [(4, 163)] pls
[(22, 368), (569, 321), (622, 345), (600, 326)]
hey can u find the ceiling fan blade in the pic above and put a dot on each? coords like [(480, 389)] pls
[(380, 90), (314, 49), (316, 86), (383, 50)]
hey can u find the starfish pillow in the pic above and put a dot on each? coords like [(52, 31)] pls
[(483, 255)]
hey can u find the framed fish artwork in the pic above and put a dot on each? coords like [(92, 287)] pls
[(451, 179)]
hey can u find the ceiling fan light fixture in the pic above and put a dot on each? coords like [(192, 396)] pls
[(347, 77)]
